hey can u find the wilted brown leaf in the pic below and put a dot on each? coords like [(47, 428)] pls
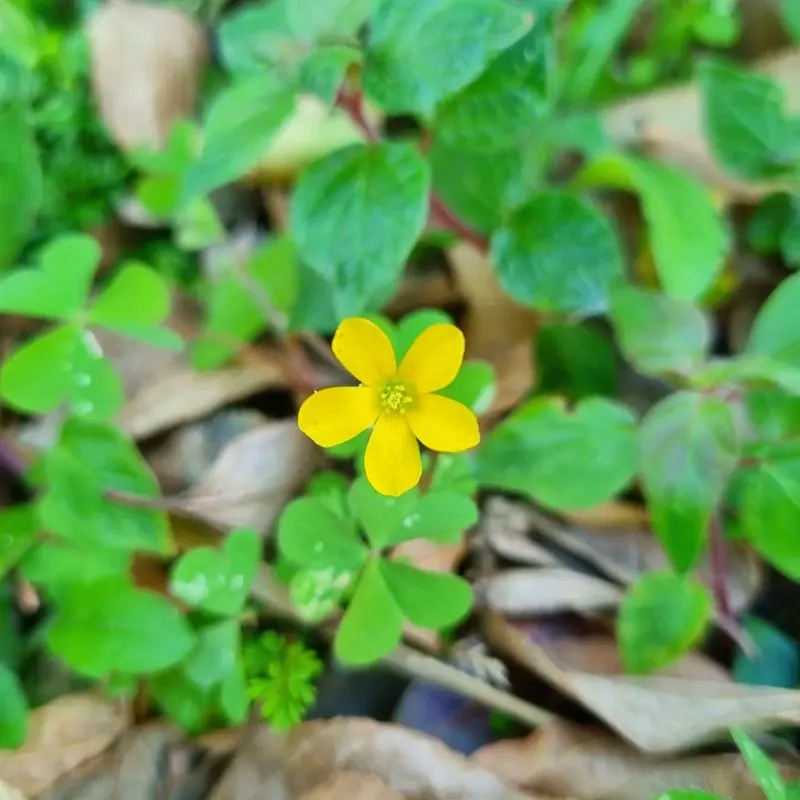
[(253, 477), (348, 785), (63, 734), (572, 761), (146, 65), (531, 592), (497, 328)]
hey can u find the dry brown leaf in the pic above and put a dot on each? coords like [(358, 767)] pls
[(568, 760), (613, 514), (497, 328), (62, 735), (146, 65), (417, 766), (254, 476), (10, 793), (531, 592), (348, 785), (664, 713)]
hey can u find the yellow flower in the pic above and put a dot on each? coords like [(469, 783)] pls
[(399, 401)]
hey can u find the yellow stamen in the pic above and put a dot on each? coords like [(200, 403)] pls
[(396, 397)]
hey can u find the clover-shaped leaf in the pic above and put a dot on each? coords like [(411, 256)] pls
[(317, 591), (218, 581), (136, 295), (381, 516)]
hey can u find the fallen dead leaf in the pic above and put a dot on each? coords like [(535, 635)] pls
[(614, 514), (10, 793), (146, 66), (569, 760), (416, 766), (349, 785), (62, 735), (497, 329), (532, 592), (254, 476)]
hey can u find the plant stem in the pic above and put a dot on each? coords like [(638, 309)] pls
[(718, 572)]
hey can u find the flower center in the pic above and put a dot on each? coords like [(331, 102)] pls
[(396, 397)]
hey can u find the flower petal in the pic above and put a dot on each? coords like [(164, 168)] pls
[(392, 461), (433, 361), (443, 424), (332, 416), (364, 350)]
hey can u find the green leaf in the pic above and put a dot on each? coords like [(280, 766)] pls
[(382, 517), (316, 592), (218, 581), (440, 516), (745, 122), (372, 625), (770, 506), (233, 698), (59, 287), (136, 295), (421, 51), (183, 702), (18, 36), (429, 599), (774, 332), (412, 325), (499, 109), (749, 371), (356, 215), (773, 414), (310, 20), (198, 225), (311, 535), (255, 36), (62, 366), (324, 70), (19, 527), (688, 237), (558, 253), (21, 188), (55, 565), (775, 661), (475, 386), (541, 451), (240, 125), (214, 655), (575, 361), (14, 719), (765, 772), (330, 487), (91, 460), (775, 227), (454, 472), (688, 451), (790, 11), (658, 334), (661, 618), (108, 626)]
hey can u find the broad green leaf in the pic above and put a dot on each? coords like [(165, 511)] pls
[(198, 226), (658, 334), (429, 599), (770, 510), (317, 592), (501, 108), (745, 122), (311, 535), (440, 516), (356, 215), (412, 325), (687, 234), (183, 701), (214, 655), (477, 185), (62, 366), (773, 415), (421, 51), (324, 70), (233, 699), (372, 625), (55, 565), (765, 772), (18, 36), (14, 719), (108, 626), (19, 527), (454, 472), (749, 371), (255, 36), (330, 487), (240, 125), (575, 361), (662, 616), (136, 295), (775, 227), (216, 580), (313, 309), (775, 660), (558, 253), (381, 516), (774, 332), (21, 187), (688, 451), (790, 10), (541, 451), (91, 461), (475, 386), (58, 288), (311, 20)]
